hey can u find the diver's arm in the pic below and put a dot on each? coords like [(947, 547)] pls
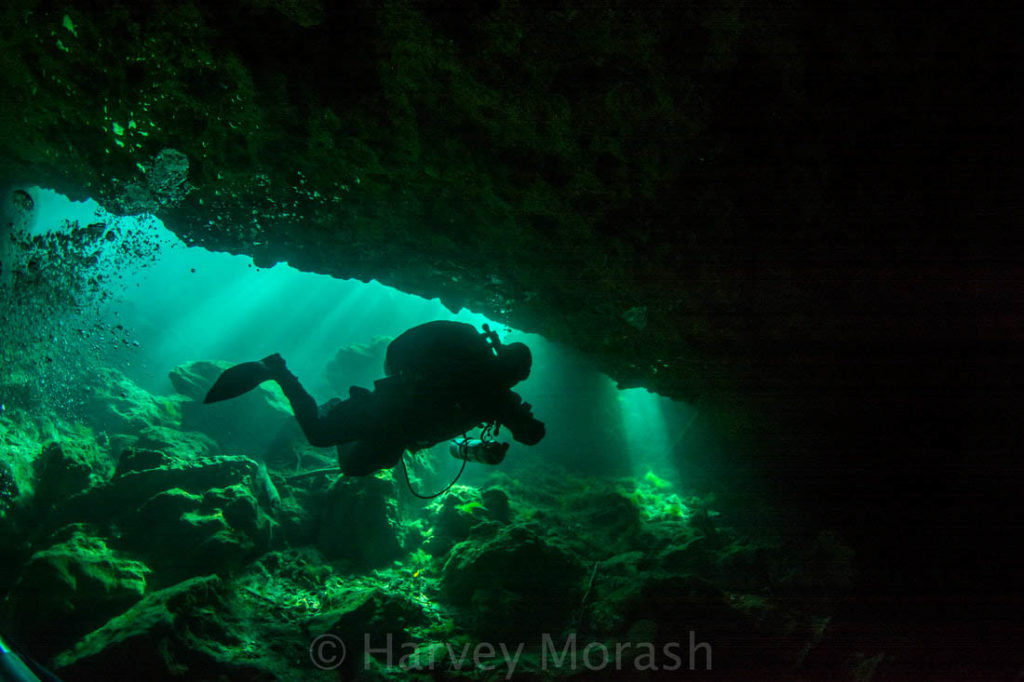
[(517, 417)]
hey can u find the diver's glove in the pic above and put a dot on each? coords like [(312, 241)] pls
[(530, 432), (521, 422)]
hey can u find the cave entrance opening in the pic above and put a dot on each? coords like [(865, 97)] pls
[(156, 303)]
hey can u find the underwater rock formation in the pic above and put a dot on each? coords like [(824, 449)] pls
[(513, 159), (117, 405), (513, 585), (258, 424), (180, 534), (73, 586), (796, 213), (360, 523), (357, 365), (281, 560), (181, 631), (65, 469)]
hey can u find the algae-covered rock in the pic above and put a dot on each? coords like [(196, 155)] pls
[(184, 444), (116, 405), (181, 533), (452, 516), (368, 615), (496, 503), (70, 588), (19, 448), (207, 628), (372, 610), (515, 584), (257, 424), (164, 636), (143, 459), (182, 516), (68, 467), (360, 522), (146, 474)]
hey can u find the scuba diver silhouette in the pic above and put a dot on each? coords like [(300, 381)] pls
[(441, 380)]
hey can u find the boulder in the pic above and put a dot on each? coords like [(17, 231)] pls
[(181, 534), (142, 474), (186, 445), (515, 584), (68, 467), (70, 588), (360, 522), (452, 516), (258, 424), (116, 405), (357, 365), (369, 615), (181, 632)]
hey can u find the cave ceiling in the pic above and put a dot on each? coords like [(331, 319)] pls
[(711, 200)]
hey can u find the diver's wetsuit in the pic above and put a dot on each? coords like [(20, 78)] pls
[(443, 379)]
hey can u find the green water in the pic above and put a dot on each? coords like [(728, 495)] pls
[(133, 514)]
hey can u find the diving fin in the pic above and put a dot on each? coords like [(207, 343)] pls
[(238, 380)]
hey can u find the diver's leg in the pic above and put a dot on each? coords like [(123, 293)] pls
[(365, 457), (322, 428)]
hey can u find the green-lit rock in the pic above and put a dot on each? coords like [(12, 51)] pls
[(191, 630), (187, 445), (116, 405), (161, 637), (180, 533), (67, 468), (378, 617), (367, 610), (70, 588), (19, 449), (496, 504), (515, 584), (144, 459), (258, 424), (133, 485), (360, 523), (452, 516)]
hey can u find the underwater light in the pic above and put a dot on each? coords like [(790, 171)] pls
[(169, 304), (653, 426), (182, 303)]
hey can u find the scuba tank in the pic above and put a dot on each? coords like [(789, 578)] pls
[(477, 450)]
